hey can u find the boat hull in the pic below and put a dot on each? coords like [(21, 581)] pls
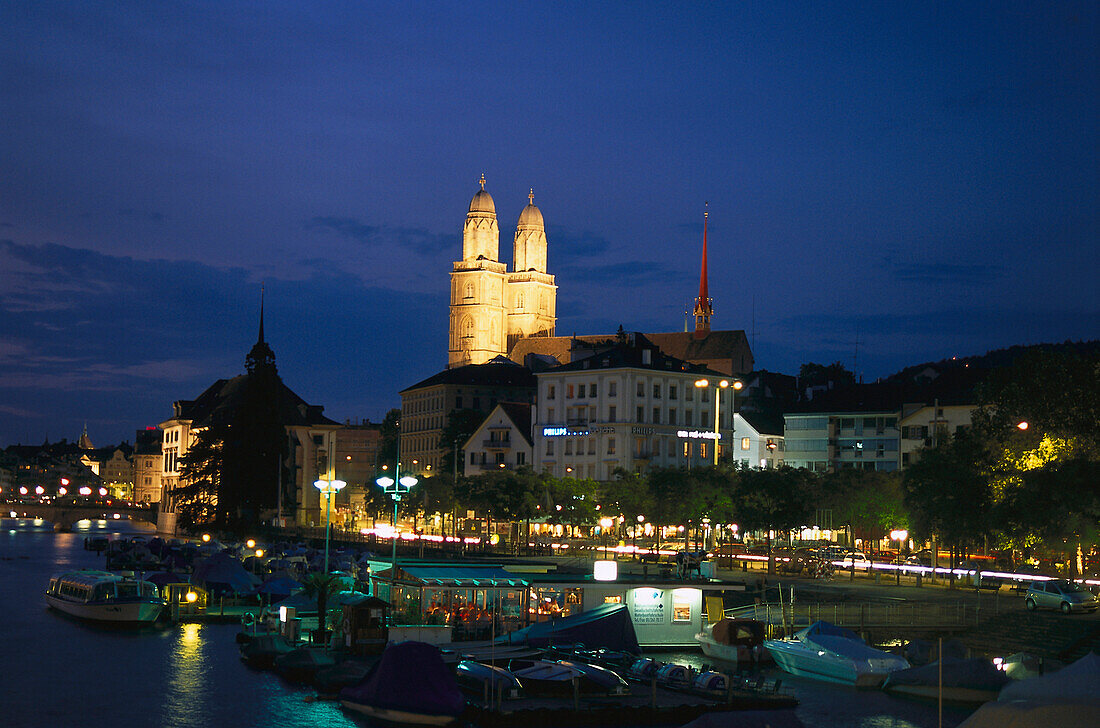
[(809, 661), (966, 697), (397, 716), (114, 611)]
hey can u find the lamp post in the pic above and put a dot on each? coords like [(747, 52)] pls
[(395, 489), (330, 488), (718, 387), (899, 535), (634, 544), (605, 523)]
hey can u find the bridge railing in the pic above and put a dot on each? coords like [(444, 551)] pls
[(860, 616)]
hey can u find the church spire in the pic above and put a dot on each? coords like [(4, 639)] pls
[(260, 339), (703, 309), (261, 356)]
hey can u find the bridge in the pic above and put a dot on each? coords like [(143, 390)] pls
[(65, 515)]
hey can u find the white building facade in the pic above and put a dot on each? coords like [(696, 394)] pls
[(630, 407)]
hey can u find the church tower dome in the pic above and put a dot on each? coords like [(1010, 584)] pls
[(529, 247), (481, 236)]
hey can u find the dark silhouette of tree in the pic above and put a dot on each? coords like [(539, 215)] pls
[(773, 500), (390, 431), (833, 376), (461, 424), (233, 466), (870, 503)]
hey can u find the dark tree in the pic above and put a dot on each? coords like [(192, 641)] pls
[(773, 500), (817, 375), (461, 424), (390, 431)]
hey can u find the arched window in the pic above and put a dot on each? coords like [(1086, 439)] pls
[(469, 290), (467, 328), (519, 301)]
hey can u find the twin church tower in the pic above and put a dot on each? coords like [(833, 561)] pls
[(492, 307)]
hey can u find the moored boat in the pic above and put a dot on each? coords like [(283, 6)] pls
[(958, 681), (482, 679), (733, 640), (101, 596), (599, 678), (826, 652), (677, 677), (409, 684)]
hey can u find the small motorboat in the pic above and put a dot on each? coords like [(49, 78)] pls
[(481, 679), (598, 678), (409, 684), (826, 652), (100, 596), (643, 670), (733, 640), (676, 677), (959, 681), (711, 682)]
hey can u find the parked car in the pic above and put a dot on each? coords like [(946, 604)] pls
[(1060, 594), (920, 558)]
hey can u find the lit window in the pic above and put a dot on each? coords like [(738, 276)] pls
[(744, 443)]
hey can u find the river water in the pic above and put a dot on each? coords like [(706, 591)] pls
[(60, 672)]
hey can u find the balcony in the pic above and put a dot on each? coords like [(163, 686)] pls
[(497, 444)]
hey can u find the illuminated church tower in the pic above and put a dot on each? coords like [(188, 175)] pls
[(490, 307), (703, 307)]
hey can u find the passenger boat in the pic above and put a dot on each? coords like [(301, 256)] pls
[(101, 596), (826, 652), (733, 640)]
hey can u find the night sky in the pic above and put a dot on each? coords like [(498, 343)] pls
[(921, 178)]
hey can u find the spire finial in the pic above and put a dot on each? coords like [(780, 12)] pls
[(482, 181), (703, 308), (531, 195), (261, 338)]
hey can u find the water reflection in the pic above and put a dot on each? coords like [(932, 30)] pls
[(186, 690)]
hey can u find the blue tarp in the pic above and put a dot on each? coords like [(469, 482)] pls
[(608, 626), (221, 573), (412, 677)]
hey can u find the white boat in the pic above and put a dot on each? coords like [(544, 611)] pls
[(733, 640), (826, 652), (101, 596)]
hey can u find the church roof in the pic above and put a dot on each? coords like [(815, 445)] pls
[(483, 201), (531, 216), (224, 396), (500, 372)]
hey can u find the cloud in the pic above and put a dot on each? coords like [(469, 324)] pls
[(418, 240), (947, 273), (123, 338)]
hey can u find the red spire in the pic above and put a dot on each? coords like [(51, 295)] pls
[(703, 308)]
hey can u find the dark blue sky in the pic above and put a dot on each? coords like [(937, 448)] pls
[(921, 177)]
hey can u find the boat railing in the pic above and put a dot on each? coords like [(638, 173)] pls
[(784, 619)]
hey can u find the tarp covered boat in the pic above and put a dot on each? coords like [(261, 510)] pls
[(827, 652), (608, 626), (409, 684), (963, 682)]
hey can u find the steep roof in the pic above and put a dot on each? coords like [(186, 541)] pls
[(520, 415), (224, 396), (631, 353), (765, 423), (500, 372)]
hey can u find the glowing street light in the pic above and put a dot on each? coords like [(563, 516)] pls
[(718, 387), (605, 523), (395, 489), (899, 535), (1021, 426), (634, 549), (330, 488)]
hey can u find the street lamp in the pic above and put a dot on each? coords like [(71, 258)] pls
[(395, 489), (899, 535), (634, 544), (605, 523), (718, 387), (330, 488)]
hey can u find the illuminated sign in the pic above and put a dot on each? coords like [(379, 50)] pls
[(562, 432), (642, 430), (698, 435)]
